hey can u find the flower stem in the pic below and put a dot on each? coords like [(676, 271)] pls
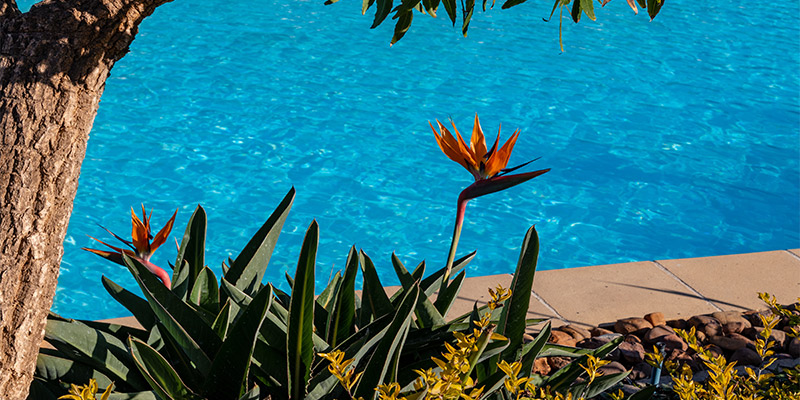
[(451, 256)]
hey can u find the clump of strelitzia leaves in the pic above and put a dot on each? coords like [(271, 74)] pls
[(723, 381), (86, 392)]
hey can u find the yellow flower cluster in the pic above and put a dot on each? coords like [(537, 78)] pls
[(453, 380), (86, 392), (723, 382), (339, 368)]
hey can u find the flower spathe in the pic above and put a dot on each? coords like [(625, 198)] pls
[(488, 167), (141, 248)]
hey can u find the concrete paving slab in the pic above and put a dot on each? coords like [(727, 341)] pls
[(733, 282), (795, 252), (589, 296)]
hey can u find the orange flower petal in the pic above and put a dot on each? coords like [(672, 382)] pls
[(469, 155), (139, 234), (448, 144), (161, 236), (477, 140), (499, 159)]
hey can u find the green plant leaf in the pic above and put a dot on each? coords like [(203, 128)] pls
[(52, 366), (564, 377), (588, 7), (512, 317), (156, 369), (135, 304), (343, 316), (365, 5), (180, 280), (530, 351), (374, 302), (95, 348), (450, 7), (119, 331), (431, 6), (300, 344), (576, 10), (248, 268), (252, 394), (653, 7), (205, 293), (193, 245), (427, 314), (401, 26), (599, 385), (228, 375), (223, 321), (644, 394), (446, 298), (466, 15), (148, 395), (390, 346), (383, 10), (185, 326), (512, 3), (432, 283), (328, 295)]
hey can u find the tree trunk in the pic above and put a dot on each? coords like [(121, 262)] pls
[(54, 61)]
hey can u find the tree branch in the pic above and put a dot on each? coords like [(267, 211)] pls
[(8, 8)]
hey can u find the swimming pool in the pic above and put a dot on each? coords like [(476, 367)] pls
[(667, 139)]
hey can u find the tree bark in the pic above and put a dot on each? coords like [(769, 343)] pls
[(54, 61)]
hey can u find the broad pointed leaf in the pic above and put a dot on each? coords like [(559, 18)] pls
[(512, 318), (159, 374), (300, 344), (249, 266), (228, 375), (390, 346), (193, 245)]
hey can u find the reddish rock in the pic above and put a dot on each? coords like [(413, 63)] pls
[(745, 356), (527, 338), (631, 352), (725, 317), (734, 342), (597, 331), (731, 321), (678, 323), (557, 363), (630, 325), (640, 371), (673, 342), (701, 337), (612, 368), (541, 366), (715, 350), (793, 348), (706, 324), (778, 336), (656, 319), (700, 320), (654, 335), (632, 339), (562, 338), (576, 332)]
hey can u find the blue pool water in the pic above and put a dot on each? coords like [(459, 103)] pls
[(667, 139)]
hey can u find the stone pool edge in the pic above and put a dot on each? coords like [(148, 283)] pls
[(681, 288)]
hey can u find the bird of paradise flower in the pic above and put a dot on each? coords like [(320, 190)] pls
[(141, 248), (487, 166)]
